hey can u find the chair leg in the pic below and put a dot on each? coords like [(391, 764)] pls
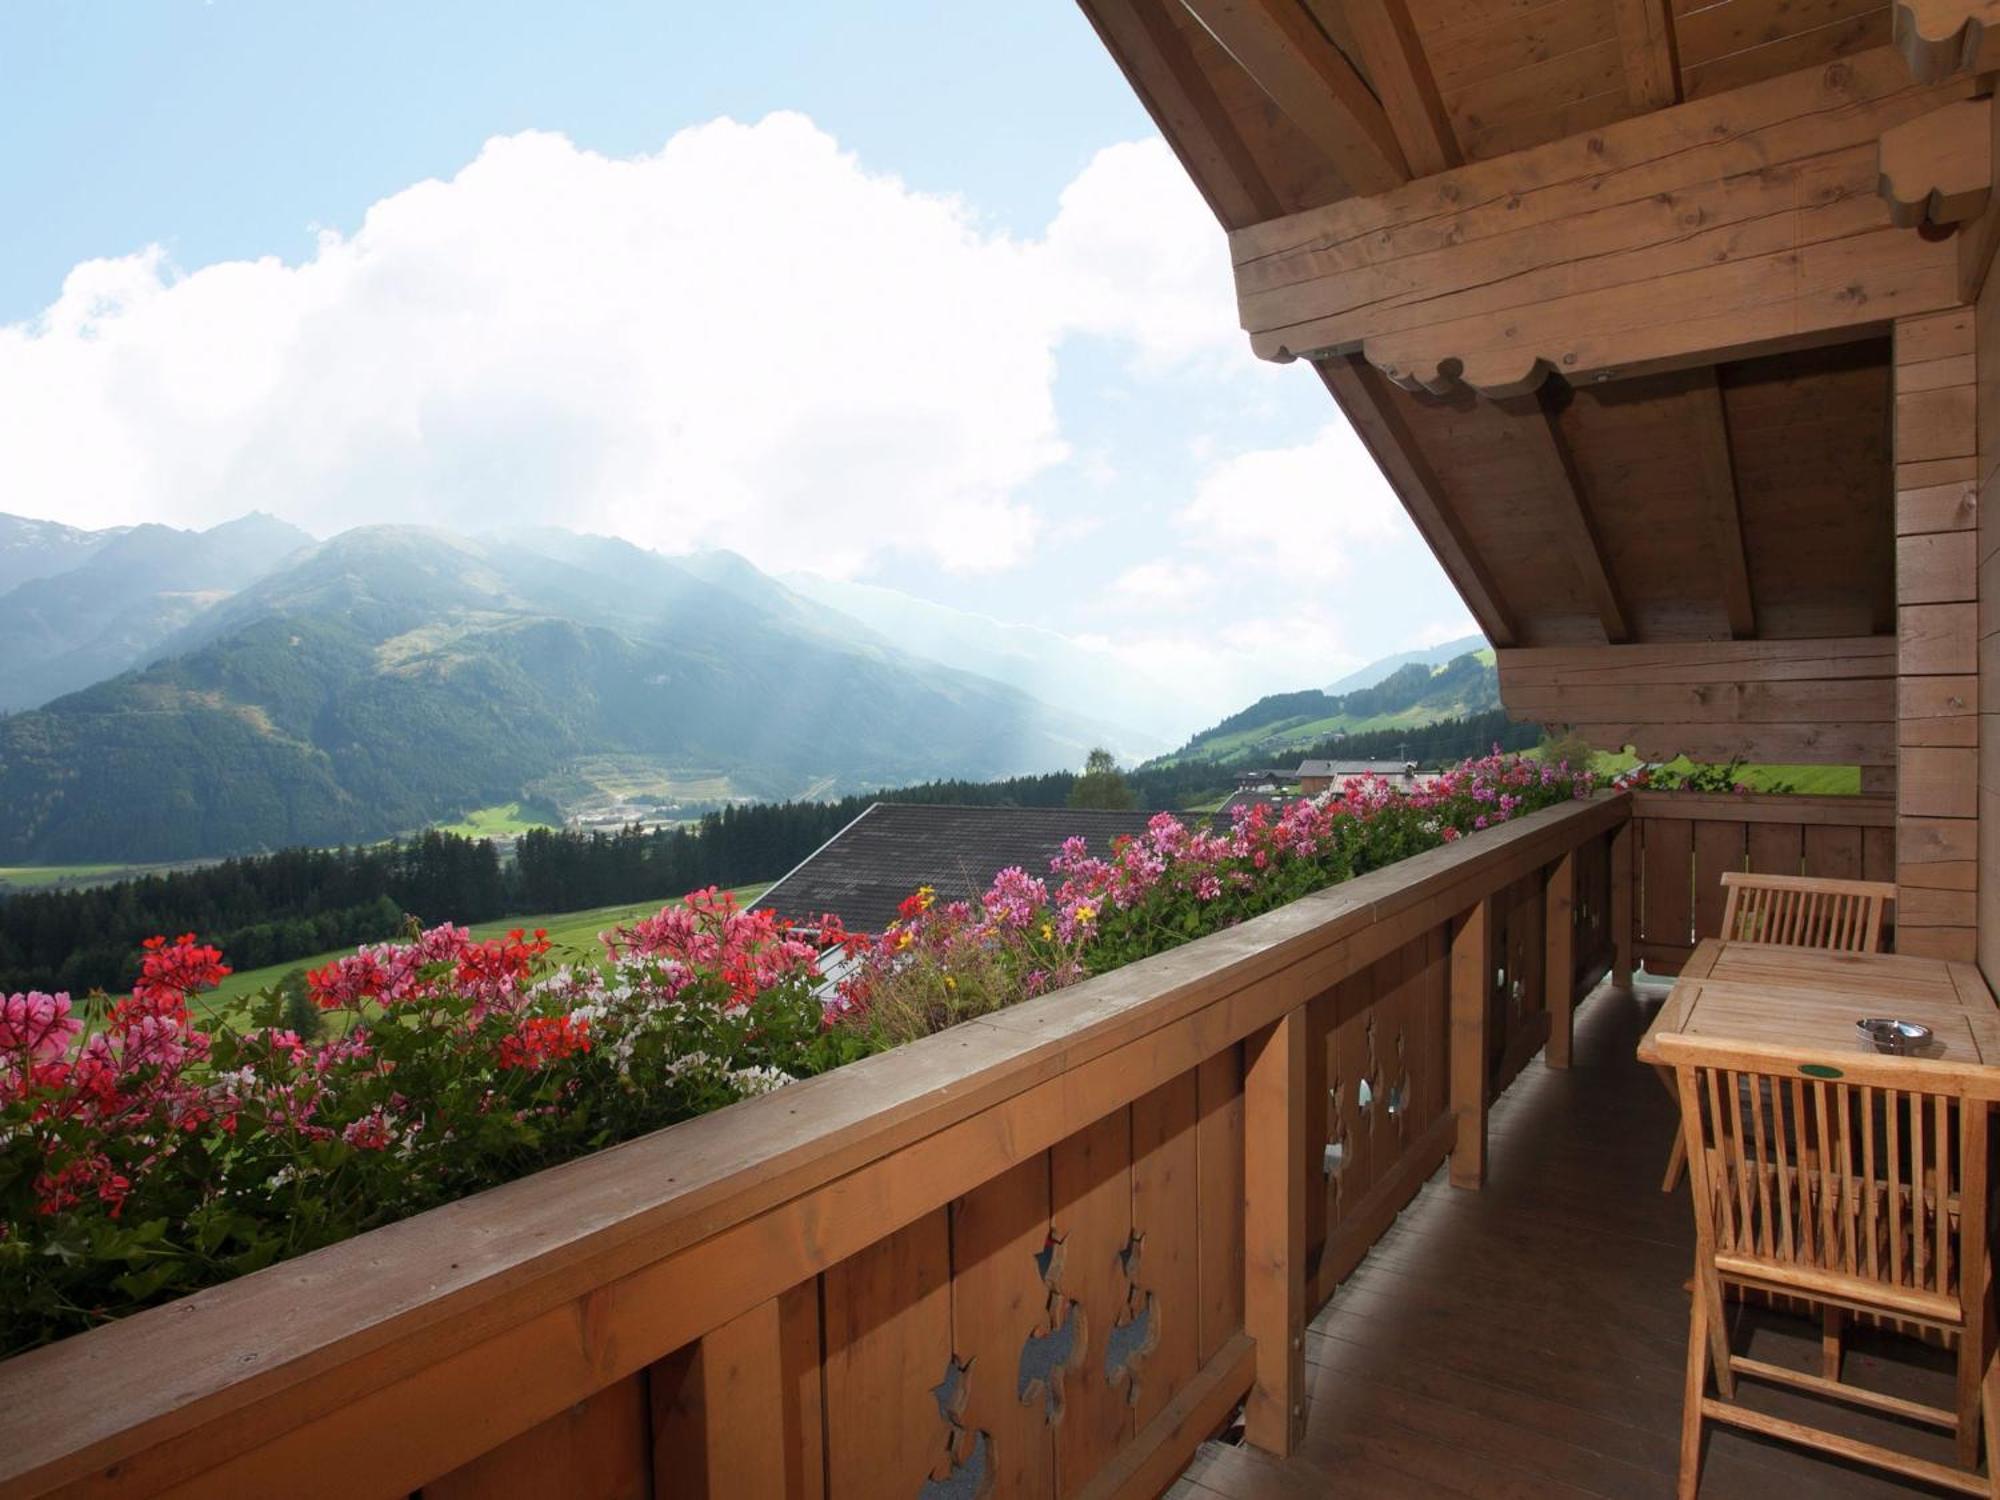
[(1676, 1160), (1831, 1327), (1691, 1394), (1989, 1418), (1708, 1290), (1677, 1157)]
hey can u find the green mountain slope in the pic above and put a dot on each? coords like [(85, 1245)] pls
[(1283, 724), (125, 596), (395, 677)]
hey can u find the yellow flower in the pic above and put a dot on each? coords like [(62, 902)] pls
[(1047, 932), (902, 940), (1086, 913), (950, 984)]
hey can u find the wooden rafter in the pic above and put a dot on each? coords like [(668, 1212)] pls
[(1708, 425), (1317, 88), (1937, 169), (1542, 441), (1369, 402), (1401, 74), (1646, 47), (1941, 37), (1146, 43)]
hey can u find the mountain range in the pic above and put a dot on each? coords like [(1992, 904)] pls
[(202, 693), (1412, 694)]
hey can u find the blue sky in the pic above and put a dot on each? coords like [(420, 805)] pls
[(272, 312)]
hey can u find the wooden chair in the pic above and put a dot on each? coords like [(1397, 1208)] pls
[(1804, 911), (1801, 911), (1852, 1181)]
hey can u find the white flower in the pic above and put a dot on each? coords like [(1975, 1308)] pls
[(760, 1080)]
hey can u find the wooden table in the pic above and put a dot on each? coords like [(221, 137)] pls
[(1762, 992)]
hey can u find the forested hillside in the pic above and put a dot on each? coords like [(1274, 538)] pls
[(393, 678), (1283, 725)]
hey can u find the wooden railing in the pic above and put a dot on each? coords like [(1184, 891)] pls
[(1118, 1205), (1685, 840)]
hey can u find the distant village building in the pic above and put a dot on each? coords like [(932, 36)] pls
[(1269, 779), (1316, 776), (862, 873)]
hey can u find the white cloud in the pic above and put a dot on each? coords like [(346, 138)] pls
[(1439, 631), (1217, 671), (1160, 584), (745, 339), (1135, 255), (1302, 512)]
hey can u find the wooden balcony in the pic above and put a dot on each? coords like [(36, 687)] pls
[(1056, 1251), (1530, 1340)]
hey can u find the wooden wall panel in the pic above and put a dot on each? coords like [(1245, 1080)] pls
[(1091, 1184), (888, 1346), (1828, 702), (998, 1300), (1219, 1153), (1939, 642), (1165, 1202), (1984, 480), (1686, 841), (1384, 1105), (1810, 443), (597, 1450)]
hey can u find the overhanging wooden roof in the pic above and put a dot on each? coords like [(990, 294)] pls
[(1605, 286)]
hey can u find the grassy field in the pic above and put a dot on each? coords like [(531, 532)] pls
[(574, 933), (1821, 781), (42, 877), (506, 821)]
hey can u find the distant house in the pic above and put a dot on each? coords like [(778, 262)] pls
[(863, 872), (1316, 776), (1270, 779)]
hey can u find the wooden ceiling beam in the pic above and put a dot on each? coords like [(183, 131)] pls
[(1941, 37), (1646, 46), (1542, 442), (1708, 424), (1312, 82), (1657, 243), (1146, 42), (1371, 407), (1401, 73)]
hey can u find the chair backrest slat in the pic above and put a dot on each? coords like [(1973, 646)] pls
[(1805, 911), (1870, 1170)]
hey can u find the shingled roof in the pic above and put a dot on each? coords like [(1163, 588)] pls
[(863, 872)]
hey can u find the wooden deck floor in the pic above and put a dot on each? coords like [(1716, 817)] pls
[(1529, 1340)]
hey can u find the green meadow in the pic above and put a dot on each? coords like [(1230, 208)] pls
[(573, 934)]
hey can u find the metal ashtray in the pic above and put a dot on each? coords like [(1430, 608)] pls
[(1891, 1035)]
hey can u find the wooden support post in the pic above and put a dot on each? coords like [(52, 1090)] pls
[(1938, 608), (1471, 978), (1559, 950), (1624, 893), (766, 1362), (1274, 1230)]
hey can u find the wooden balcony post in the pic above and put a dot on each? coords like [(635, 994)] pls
[(1471, 978), (1624, 891), (738, 1412), (1559, 950), (1274, 1230)]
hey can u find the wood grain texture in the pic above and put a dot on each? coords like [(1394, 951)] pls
[(1591, 268)]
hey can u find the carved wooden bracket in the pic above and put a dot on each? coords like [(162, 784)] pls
[(1941, 37), (1936, 171)]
